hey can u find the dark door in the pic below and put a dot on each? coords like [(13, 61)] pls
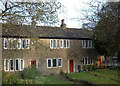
[(71, 66), (33, 63)]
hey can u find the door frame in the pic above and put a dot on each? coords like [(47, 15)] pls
[(73, 65)]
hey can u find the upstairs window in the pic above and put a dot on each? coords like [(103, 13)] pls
[(19, 43), (87, 44), (51, 43), (58, 43), (61, 42), (23, 43), (54, 43), (65, 44), (14, 43), (6, 43), (27, 43), (68, 44)]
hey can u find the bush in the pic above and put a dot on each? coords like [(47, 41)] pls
[(30, 73), (90, 67)]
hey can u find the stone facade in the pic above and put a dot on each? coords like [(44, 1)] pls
[(40, 52)]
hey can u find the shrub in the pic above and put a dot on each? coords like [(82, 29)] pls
[(30, 73)]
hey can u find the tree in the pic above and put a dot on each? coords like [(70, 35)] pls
[(105, 18), (107, 31), (26, 12)]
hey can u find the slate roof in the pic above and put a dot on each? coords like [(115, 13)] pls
[(44, 31)]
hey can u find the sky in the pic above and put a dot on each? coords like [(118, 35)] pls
[(73, 12)]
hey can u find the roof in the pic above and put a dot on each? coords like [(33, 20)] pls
[(44, 31)]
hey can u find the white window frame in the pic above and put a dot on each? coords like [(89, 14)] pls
[(56, 62), (51, 43), (6, 41), (61, 43), (22, 43), (68, 42), (92, 60), (84, 43), (65, 41), (61, 62), (90, 44), (47, 62), (10, 42), (27, 42), (19, 41), (83, 61), (14, 39), (5, 65), (18, 64), (13, 64), (58, 43), (54, 43)]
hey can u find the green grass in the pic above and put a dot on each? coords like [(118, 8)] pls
[(104, 77), (111, 74), (55, 80)]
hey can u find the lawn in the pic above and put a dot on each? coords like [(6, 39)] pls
[(104, 76), (55, 80), (15, 78)]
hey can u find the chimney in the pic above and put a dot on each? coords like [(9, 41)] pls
[(63, 25), (33, 21)]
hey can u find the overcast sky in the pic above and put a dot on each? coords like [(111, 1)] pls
[(73, 12)]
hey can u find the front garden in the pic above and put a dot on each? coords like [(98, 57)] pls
[(100, 76), (33, 76)]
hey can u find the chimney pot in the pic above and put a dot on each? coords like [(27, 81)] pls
[(63, 25)]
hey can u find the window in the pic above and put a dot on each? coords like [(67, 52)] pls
[(22, 64), (19, 43), (6, 65), (91, 60), (59, 62), (27, 43), (16, 64), (68, 44), (87, 44), (11, 65), (58, 43), (61, 43), (54, 62), (10, 43), (49, 63), (54, 43), (6, 43), (86, 60), (51, 43), (65, 44), (90, 43), (83, 60), (14, 43), (23, 43)]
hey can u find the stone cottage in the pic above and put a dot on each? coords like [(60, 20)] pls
[(50, 49)]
